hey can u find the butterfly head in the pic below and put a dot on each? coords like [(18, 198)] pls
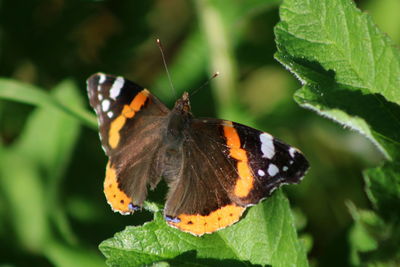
[(182, 105)]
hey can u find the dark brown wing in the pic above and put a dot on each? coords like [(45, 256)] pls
[(131, 122), (227, 167), (273, 163)]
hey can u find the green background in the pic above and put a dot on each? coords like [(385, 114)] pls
[(52, 208)]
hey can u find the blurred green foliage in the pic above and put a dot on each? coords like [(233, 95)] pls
[(52, 209)]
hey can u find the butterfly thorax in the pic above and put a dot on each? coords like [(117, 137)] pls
[(179, 120)]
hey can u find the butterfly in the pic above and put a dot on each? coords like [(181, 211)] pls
[(214, 168)]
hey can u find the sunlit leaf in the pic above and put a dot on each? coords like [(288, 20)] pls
[(265, 236), (349, 70)]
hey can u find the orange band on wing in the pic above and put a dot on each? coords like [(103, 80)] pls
[(199, 225), (117, 199), (115, 127), (139, 100), (128, 112), (245, 181)]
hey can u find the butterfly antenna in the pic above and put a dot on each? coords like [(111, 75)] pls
[(165, 65), (204, 84)]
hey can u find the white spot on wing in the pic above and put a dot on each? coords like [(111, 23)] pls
[(102, 78), (116, 87), (110, 114), (267, 145), (272, 169), (285, 168), (292, 151), (261, 172), (100, 97), (105, 105)]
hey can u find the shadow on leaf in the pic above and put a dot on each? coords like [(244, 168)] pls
[(190, 259), (382, 116)]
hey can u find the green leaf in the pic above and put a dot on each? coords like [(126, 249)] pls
[(63, 256), (383, 189), (369, 114), (30, 177), (346, 65), (265, 236), (48, 140), (349, 70), (360, 236), (45, 144), (50, 135), (23, 191), (29, 94), (342, 39)]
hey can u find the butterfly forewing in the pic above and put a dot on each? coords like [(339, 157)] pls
[(130, 124), (271, 161), (116, 102)]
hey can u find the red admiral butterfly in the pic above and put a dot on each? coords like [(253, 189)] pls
[(214, 168)]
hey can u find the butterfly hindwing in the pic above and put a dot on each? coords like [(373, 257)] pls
[(236, 166)]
